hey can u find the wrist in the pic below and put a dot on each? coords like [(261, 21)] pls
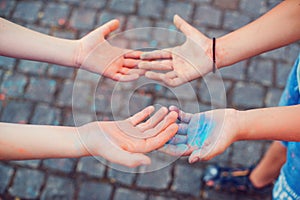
[(77, 57), (242, 125)]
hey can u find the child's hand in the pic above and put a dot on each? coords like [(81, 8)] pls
[(182, 63), (203, 135), (95, 54), (123, 142)]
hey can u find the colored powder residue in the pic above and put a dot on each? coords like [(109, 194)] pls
[(200, 130)]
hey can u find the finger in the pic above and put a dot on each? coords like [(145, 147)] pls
[(133, 54), (160, 139), (156, 65), (183, 26), (155, 76), (125, 70), (154, 120), (176, 150), (125, 77), (169, 119), (128, 62), (182, 128), (178, 139), (158, 54), (141, 116), (109, 27), (126, 158), (184, 117)]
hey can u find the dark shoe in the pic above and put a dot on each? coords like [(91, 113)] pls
[(232, 180)]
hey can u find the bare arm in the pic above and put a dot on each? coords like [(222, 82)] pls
[(277, 28), (278, 123), (19, 42)]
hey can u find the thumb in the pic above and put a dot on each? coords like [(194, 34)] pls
[(109, 27), (183, 26), (128, 159)]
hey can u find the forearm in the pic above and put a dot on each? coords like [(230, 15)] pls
[(278, 123), (19, 42), (19, 141), (275, 29)]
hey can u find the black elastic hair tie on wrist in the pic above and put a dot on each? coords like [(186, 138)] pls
[(214, 54)]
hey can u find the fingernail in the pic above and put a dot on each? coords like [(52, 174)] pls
[(195, 160)]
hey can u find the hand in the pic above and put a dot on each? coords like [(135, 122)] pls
[(95, 54), (123, 142), (203, 135), (182, 63)]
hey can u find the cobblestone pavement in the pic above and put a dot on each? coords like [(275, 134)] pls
[(40, 93)]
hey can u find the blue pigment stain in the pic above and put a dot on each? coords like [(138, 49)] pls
[(199, 130)]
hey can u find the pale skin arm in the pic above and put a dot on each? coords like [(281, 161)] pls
[(193, 59), (277, 28), (92, 52), (205, 135), (122, 142)]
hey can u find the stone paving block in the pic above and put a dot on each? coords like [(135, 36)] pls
[(183, 9), (7, 62), (152, 9), (282, 72), (55, 14), (32, 67), (183, 92), (248, 95), (124, 194), (195, 107), (234, 20), (94, 190), (6, 172), (60, 71), (41, 89), (58, 188), (137, 103), (106, 16), (16, 112), (91, 166), (276, 54), (207, 16), (31, 179), (27, 163), (13, 84), (81, 96), (255, 8), (216, 195), (222, 159), (121, 174), (103, 100), (123, 6), (213, 91), (202, 1), (63, 164), (236, 71), (6, 7), (153, 197), (227, 4), (134, 22), (246, 153), (261, 71), (87, 76), (27, 11), (83, 18), (158, 179), (46, 115), (73, 2), (187, 180), (95, 4), (167, 102), (273, 97)]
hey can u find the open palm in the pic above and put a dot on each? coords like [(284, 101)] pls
[(180, 64), (203, 135), (95, 54)]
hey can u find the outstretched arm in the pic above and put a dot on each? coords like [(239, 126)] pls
[(193, 59), (208, 134), (92, 52), (122, 142), (277, 28)]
